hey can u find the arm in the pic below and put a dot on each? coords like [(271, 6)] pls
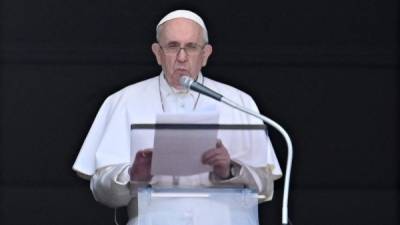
[(110, 185), (258, 178), (116, 185), (226, 171)]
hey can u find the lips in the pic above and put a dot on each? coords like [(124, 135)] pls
[(182, 71)]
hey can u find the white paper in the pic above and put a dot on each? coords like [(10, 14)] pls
[(178, 152), (141, 139)]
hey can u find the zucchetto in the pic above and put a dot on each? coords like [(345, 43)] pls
[(183, 14)]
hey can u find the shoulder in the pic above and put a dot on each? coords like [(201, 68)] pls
[(234, 94), (134, 91), (227, 90)]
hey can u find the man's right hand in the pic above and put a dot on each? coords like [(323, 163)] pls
[(141, 168)]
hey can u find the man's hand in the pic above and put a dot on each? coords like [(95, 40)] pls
[(219, 159), (140, 170)]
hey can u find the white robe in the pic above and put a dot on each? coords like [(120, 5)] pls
[(106, 153)]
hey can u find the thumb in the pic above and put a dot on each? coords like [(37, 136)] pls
[(219, 143)]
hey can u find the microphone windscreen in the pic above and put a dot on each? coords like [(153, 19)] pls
[(186, 81)]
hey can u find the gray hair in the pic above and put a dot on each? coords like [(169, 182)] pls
[(160, 27)]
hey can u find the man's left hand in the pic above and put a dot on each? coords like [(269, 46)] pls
[(219, 159)]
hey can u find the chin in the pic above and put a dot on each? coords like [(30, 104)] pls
[(176, 77), (184, 74)]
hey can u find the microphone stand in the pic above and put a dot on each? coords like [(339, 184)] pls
[(289, 149), (189, 83)]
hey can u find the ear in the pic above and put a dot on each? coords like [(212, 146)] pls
[(155, 47), (206, 53)]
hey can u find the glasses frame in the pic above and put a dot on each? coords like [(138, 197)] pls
[(178, 50)]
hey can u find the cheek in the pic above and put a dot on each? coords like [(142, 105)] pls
[(169, 63), (197, 64)]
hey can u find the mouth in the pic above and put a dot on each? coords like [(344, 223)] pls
[(182, 70)]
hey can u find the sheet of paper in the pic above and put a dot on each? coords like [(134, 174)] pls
[(178, 150)]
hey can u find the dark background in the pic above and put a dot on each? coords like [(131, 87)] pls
[(326, 70)]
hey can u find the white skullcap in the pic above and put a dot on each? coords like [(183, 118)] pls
[(183, 14)]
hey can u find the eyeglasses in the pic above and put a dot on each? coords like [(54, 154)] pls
[(174, 48)]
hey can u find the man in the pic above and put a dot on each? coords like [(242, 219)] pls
[(182, 48)]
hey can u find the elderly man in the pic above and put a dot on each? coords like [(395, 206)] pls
[(182, 48)]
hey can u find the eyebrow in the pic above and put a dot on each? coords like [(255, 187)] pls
[(176, 42)]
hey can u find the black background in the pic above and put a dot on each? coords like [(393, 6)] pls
[(326, 70)]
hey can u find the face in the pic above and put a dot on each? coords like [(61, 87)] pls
[(184, 33)]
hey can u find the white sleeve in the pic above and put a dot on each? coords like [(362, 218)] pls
[(110, 185), (258, 178)]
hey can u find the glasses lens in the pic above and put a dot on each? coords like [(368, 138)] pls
[(192, 48), (174, 48)]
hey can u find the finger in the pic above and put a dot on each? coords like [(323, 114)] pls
[(147, 152), (220, 161), (219, 144), (217, 152), (144, 153), (217, 159), (219, 164), (209, 154)]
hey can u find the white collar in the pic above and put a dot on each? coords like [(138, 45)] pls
[(167, 90)]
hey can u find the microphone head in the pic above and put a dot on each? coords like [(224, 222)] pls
[(186, 81)]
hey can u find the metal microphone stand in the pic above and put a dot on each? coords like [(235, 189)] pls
[(289, 148)]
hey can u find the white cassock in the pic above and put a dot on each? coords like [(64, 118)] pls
[(106, 154)]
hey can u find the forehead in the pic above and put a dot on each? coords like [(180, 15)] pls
[(181, 30)]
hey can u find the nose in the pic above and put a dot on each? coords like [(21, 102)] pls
[(182, 55)]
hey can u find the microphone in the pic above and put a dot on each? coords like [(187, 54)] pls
[(189, 83)]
